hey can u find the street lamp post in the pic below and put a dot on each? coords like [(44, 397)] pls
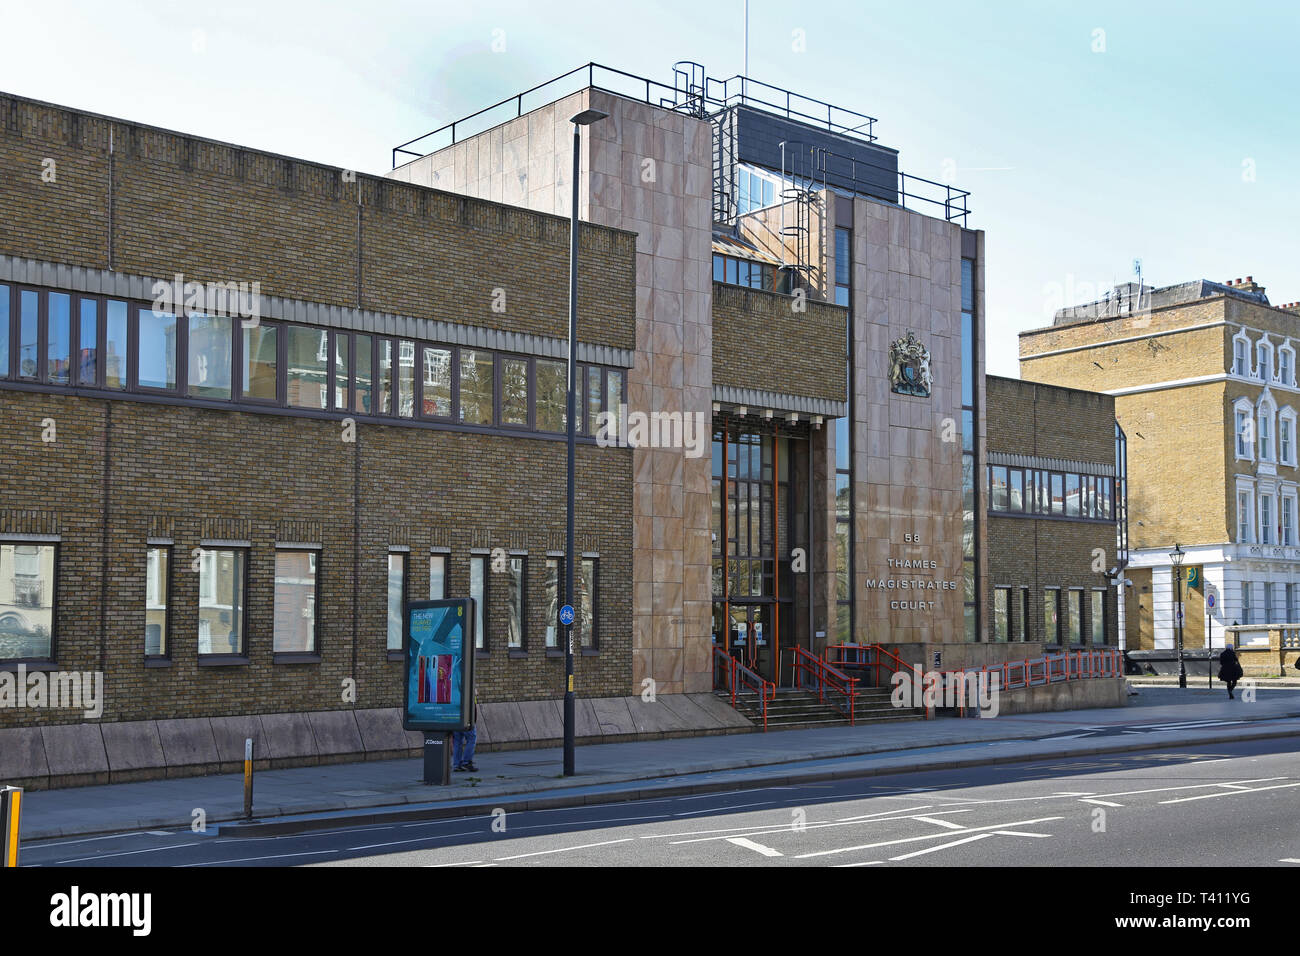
[(585, 118), (1176, 557)]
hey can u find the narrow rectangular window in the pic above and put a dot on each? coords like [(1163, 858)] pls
[(437, 577), (58, 347), (552, 395), (1001, 614), (594, 393), (998, 499), (478, 571), (210, 356), (342, 342), (1268, 602), (1098, 617), (1265, 519), (396, 598), (719, 269), (4, 331), (514, 391), (362, 396), (260, 363), (517, 568), (1058, 493), (1247, 612), (406, 379), (385, 377), (307, 370), (157, 350), (29, 306), (588, 622), (87, 342), (1243, 517), (222, 582), (1072, 496), (1052, 616), (554, 593), (614, 399), (1022, 631), (27, 577), (436, 396), (115, 345), (1076, 616), (476, 386), (295, 602), (157, 587)]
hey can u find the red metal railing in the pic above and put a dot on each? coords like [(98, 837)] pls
[(867, 655), (738, 678), (826, 678)]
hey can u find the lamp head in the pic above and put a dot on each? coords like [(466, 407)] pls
[(587, 117)]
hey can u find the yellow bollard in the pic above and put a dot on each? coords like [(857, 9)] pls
[(11, 811)]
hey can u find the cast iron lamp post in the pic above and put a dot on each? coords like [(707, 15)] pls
[(585, 118), (1176, 557)]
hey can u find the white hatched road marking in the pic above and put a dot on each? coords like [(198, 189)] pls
[(756, 847), (928, 836), (944, 846), (1232, 793), (1103, 803), (942, 823)]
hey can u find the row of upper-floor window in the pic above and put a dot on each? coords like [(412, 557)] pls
[(1267, 514), (1262, 360), (1254, 427), (98, 342), (29, 600), (1034, 491)]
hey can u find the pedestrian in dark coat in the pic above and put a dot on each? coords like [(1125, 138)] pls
[(1229, 668)]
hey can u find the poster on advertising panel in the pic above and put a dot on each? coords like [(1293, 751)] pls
[(439, 655)]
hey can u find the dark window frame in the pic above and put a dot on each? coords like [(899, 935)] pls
[(41, 663), (486, 604), (240, 656), (312, 656), (166, 636)]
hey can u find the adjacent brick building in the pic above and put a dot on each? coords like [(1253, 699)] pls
[(1203, 376)]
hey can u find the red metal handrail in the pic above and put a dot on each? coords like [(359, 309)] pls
[(866, 655), (740, 677), (826, 677)]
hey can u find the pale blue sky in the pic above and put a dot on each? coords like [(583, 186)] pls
[(1176, 142)]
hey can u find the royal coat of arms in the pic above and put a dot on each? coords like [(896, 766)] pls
[(909, 367)]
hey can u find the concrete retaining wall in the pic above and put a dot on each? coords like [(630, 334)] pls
[(76, 755)]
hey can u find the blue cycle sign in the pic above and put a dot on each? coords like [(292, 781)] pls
[(1210, 601), (566, 615)]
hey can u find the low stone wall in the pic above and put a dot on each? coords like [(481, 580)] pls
[(74, 755)]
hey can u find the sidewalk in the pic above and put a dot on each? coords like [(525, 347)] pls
[(621, 771)]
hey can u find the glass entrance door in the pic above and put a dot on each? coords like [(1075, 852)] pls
[(751, 637)]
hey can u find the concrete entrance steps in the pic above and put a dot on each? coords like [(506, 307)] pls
[(795, 708)]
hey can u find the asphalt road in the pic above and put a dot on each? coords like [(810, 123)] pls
[(1231, 804)]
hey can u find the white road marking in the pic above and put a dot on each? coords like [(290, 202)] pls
[(757, 830), (105, 856), (1041, 836), (249, 859), (756, 847), (563, 849), (928, 836), (441, 836), (864, 863), (945, 846), (691, 813), (1232, 793), (1103, 803), (1288, 860), (943, 823), (35, 844), (435, 866)]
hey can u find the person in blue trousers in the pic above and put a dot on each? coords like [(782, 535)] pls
[(462, 743)]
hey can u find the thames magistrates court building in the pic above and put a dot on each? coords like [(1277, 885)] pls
[(223, 512)]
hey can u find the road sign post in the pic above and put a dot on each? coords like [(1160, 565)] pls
[(1210, 602)]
